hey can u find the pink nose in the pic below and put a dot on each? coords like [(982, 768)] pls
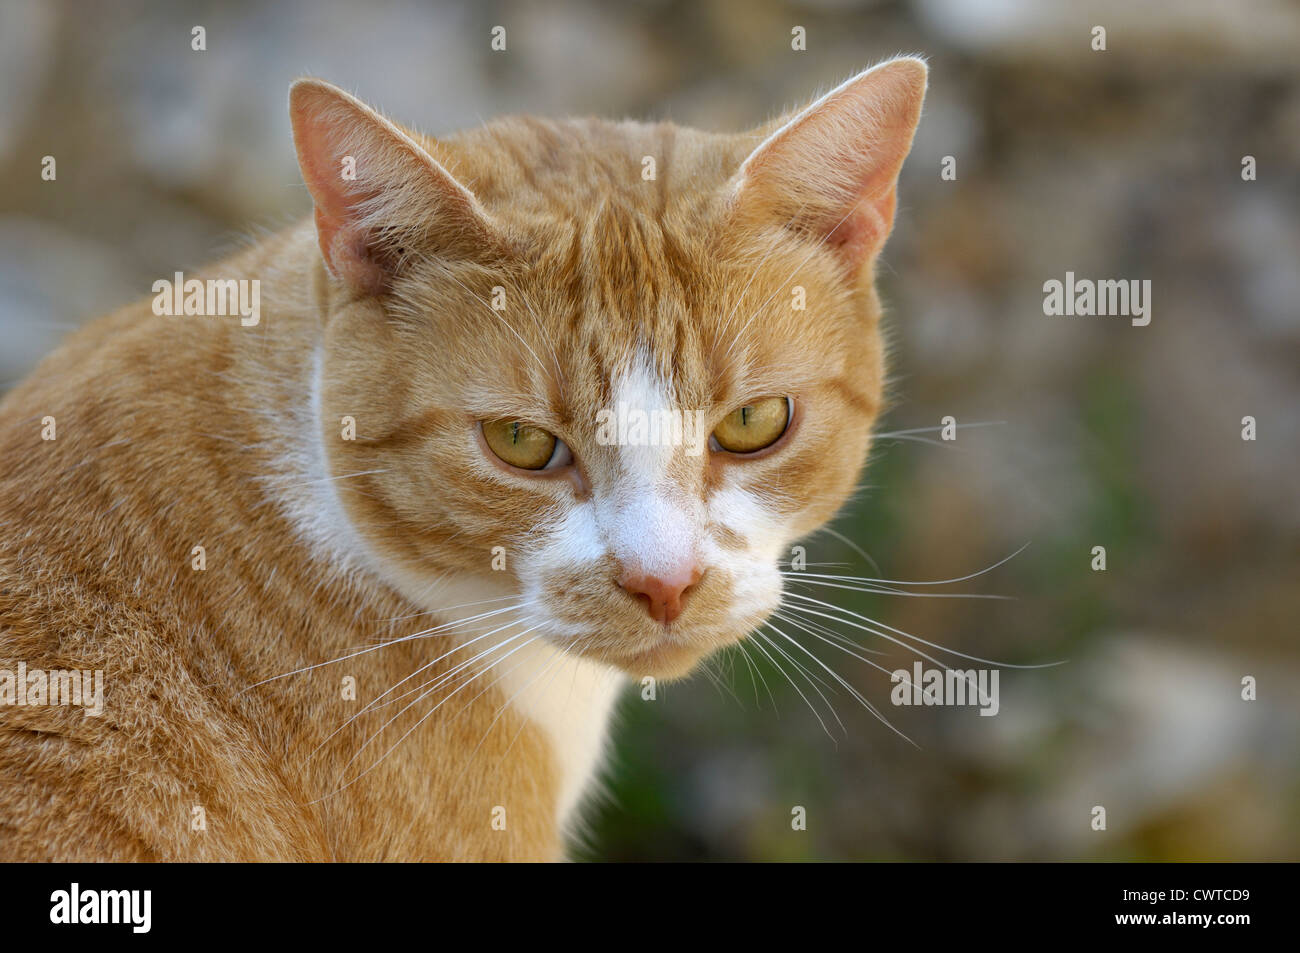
[(663, 594)]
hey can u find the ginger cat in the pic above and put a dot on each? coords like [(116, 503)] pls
[(364, 571)]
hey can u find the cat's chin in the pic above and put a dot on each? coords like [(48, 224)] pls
[(665, 662)]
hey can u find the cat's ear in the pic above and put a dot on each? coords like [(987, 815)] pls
[(380, 197), (831, 169)]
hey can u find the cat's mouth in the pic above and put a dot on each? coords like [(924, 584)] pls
[(602, 624)]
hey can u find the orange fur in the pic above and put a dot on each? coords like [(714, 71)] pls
[(176, 432)]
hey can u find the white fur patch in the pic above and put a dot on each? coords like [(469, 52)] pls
[(756, 578), (571, 700), (651, 525), (305, 490)]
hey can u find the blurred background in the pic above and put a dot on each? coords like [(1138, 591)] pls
[(1117, 164)]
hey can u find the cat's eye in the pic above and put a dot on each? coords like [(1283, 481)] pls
[(524, 446), (755, 426)]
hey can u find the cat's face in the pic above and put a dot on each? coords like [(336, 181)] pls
[(620, 367)]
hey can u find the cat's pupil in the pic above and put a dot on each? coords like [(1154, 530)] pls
[(744, 416)]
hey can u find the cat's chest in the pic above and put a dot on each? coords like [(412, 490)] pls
[(570, 700)]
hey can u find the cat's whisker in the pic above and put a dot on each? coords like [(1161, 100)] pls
[(913, 435), (458, 669), (331, 479), (727, 663), (452, 674), (758, 635), (381, 645), (942, 582), (812, 627), (754, 670), (788, 678), (463, 605), (947, 445), (706, 670), (898, 434), (446, 627), (815, 626), (720, 681), (811, 677), (906, 635), (813, 579), (473, 678), (895, 675), (868, 628), (838, 641), (422, 719), (851, 690), (852, 545), (376, 703)]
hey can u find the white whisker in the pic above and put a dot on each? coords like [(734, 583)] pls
[(851, 690), (374, 648), (789, 679), (907, 635)]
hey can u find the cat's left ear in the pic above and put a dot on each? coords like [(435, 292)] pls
[(831, 170), (380, 197)]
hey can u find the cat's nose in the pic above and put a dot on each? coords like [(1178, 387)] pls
[(664, 594)]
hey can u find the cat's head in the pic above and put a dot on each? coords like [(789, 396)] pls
[(621, 367)]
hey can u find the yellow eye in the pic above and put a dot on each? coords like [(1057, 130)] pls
[(519, 444), (755, 426)]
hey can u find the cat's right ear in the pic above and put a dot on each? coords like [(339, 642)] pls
[(380, 198)]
